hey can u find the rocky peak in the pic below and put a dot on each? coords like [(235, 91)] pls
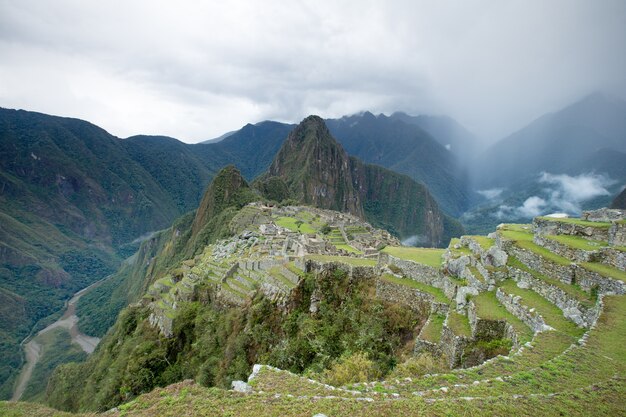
[(316, 168), (225, 190)]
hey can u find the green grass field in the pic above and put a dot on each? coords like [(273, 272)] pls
[(426, 256)]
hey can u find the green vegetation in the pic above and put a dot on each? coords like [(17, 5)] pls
[(295, 225), (476, 273), (343, 259), (577, 242), (459, 324), (426, 256), (432, 330), (605, 270), (438, 294), (57, 349), (483, 241), (552, 315), (579, 222), (489, 308), (574, 291), (349, 249), (215, 346)]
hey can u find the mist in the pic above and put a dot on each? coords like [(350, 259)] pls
[(195, 70)]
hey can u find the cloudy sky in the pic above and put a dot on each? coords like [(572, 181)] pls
[(194, 70)]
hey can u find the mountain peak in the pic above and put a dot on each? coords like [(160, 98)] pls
[(316, 168), (227, 189)]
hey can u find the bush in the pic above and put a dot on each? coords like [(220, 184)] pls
[(351, 369), (423, 364)]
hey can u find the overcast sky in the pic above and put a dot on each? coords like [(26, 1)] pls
[(196, 69)]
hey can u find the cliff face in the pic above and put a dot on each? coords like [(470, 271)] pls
[(319, 172), (316, 168), (399, 204)]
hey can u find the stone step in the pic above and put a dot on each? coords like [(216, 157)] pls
[(537, 312)]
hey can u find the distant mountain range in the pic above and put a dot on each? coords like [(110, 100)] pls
[(565, 161), (74, 199)]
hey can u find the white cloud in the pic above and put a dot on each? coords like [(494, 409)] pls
[(565, 194), (491, 193), (194, 70), (533, 206), (576, 189)]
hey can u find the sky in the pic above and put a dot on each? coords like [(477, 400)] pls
[(196, 69)]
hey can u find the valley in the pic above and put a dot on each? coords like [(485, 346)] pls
[(35, 346)]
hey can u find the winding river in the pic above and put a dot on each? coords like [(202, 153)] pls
[(33, 349)]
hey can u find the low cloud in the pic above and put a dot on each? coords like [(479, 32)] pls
[(414, 240), (491, 193), (561, 193)]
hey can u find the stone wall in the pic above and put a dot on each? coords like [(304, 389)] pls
[(453, 346), (540, 264), (546, 226), (529, 317), (617, 234), (416, 300), (580, 314), (589, 279), (612, 257), (565, 251)]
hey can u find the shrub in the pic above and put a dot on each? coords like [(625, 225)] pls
[(351, 369), (420, 365)]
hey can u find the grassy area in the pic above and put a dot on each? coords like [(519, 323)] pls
[(516, 233), (577, 242), (295, 225), (579, 222), (543, 252), (605, 270), (432, 331), (459, 324), (344, 259), (426, 256), (489, 308), (348, 248), (552, 315), (483, 241), (276, 273), (572, 290), (476, 273), (407, 282)]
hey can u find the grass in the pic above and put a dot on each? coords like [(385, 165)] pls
[(432, 331), (476, 273), (425, 256), (291, 223), (435, 292), (572, 290), (483, 241), (579, 222), (276, 273), (489, 308), (459, 324), (543, 252), (344, 259), (552, 315), (349, 249), (605, 270), (578, 242)]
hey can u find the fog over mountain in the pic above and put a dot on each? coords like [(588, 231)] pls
[(195, 71)]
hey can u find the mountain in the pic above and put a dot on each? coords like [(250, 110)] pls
[(73, 199), (620, 201), (408, 149), (579, 138), (317, 170), (447, 131), (568, 161)]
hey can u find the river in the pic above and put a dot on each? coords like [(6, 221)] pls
[(34, 349)]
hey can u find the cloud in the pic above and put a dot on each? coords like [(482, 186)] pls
[(564, 193), (576, 189), (491, 193), (195, 70)]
